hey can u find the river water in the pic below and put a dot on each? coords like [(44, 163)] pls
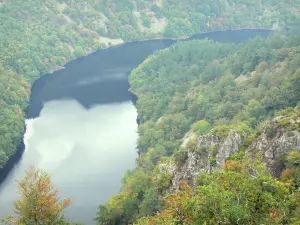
[(81, 125)]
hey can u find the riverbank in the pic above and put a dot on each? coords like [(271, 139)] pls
[(14, 160), (187, 37), (201, 33), (19, 152)]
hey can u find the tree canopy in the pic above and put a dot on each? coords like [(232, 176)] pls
[(201, 86), (40, 36)]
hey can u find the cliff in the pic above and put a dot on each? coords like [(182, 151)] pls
[(203, 107), (278, 137)]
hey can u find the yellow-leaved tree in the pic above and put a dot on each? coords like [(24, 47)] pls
[(39, 202)]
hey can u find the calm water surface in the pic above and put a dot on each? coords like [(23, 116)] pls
[(86, 151), (82, 128)]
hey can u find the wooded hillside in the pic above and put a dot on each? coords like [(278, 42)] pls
[(40, 36), (198, 87)]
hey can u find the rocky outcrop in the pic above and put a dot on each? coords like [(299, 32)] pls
[(228, 146), (210, 153), (278, 138)]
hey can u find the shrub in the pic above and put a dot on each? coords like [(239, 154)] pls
[(292, 160), (232, 165), (213, 150), (243, 128), (271, 131), (285, 112), (249, 139), (222, 131), (181, 156), (237, 155), (212, 162), (284, 122), (202, 127), (191, 145), (163, 180), (202, 149)]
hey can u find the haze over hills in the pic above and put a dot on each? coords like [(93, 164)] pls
[(219, 123)]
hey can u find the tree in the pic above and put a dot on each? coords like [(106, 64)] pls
[(151, 203), (201, 127), (39, 202), (230, 196)]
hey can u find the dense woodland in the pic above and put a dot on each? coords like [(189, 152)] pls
[(196, 86), (40, 36), (233, 196), (191, 86)]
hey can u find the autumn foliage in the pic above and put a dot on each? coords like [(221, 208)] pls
[(232, 165), (39, 202), (241, 193)]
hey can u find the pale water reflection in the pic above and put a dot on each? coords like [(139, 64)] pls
[(82, 149)]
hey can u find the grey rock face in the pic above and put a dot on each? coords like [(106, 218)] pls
[(275, 141), (199, 161), (229, 145), (275, 146)]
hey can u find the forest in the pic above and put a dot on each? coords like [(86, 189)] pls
[(204, 87), (195, 87), (38, 37)]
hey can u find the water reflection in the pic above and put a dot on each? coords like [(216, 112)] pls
[(82, 149), (84, 131)]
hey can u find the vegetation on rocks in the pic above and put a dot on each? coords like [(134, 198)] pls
[(192, 88), (197, 87), (40, 36)]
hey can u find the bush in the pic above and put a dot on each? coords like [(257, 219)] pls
[(243, 128), (151, 203), (201, 149), (292, 160), (222, 131), (202, 127), (191, 145), (181, 156), (212, 162), (249, 139), (295, 126), (284, 122), (271, 131), (285, 112), (163, 180), (146, 20), (213, 150), (237, 155)]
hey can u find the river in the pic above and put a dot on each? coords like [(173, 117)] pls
[(81, 125)]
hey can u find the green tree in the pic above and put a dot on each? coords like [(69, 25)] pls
[(201, 127)]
